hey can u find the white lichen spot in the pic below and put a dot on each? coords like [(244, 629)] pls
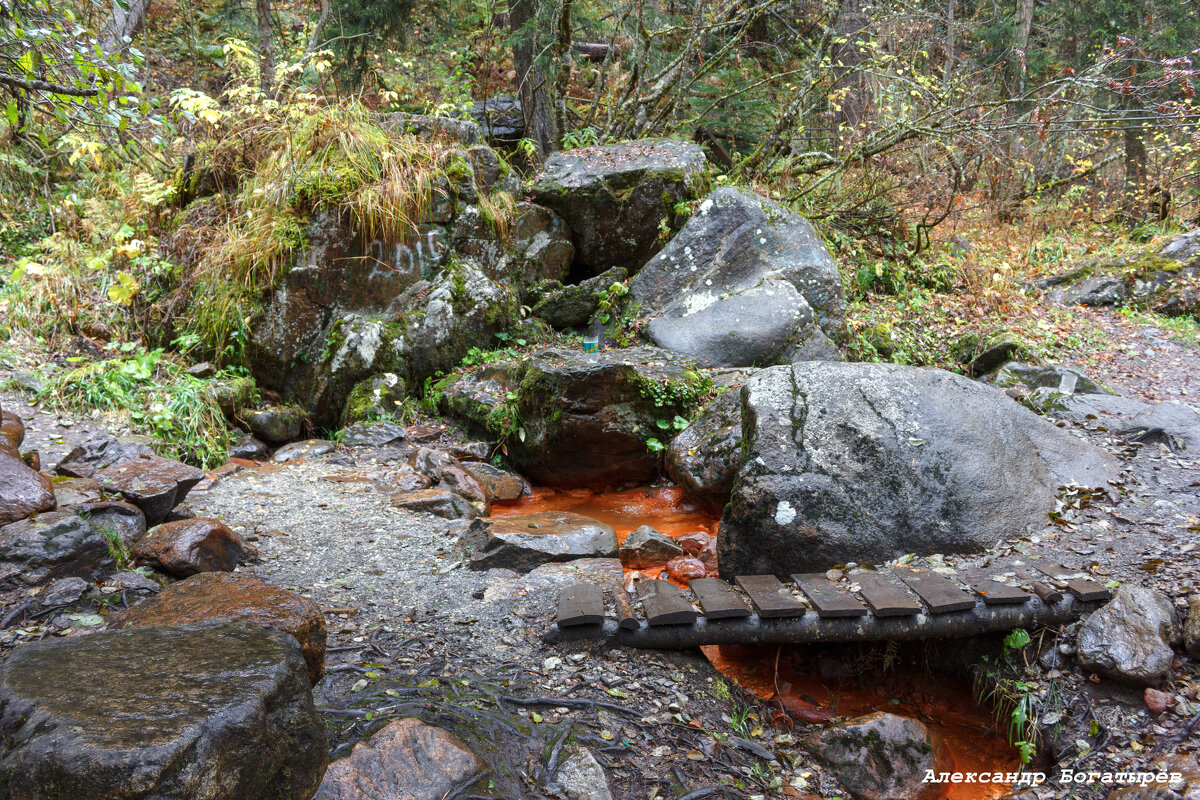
[(784, 513), (698, 302)]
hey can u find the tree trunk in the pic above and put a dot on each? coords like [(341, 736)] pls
[(533, 87), (1132, 133), (124, 23), (562, 63), (849, 81), (948, 71), (266, 46), (1024, 26)]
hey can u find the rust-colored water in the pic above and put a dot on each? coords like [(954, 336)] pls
[(963, 729), (950, 712), (664, 508)]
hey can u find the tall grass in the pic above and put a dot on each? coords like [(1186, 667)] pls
[(309, 159), (154, 396)]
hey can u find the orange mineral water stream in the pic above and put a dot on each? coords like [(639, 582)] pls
[(781, 676)]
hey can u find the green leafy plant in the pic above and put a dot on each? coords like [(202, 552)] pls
[(117, 549)]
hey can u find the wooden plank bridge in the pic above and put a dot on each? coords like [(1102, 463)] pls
[(902, 603)]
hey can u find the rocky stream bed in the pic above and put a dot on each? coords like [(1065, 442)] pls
[(364, 617)]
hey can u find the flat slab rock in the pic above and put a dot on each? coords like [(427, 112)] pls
[(406, 760), (236, 596), (439, 502), (218, 712), (152, 483), (525, 542)]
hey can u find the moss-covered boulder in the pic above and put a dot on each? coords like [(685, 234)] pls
[(1152, 281), (572, 306), (575, 419), (377, 397), (620, 200)]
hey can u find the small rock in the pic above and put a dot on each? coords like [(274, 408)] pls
[(403, 478), (204, 369), (193, 545), (470, 451), (152, 483), (199, 712), (181, 511), (64, 591), (1157, 701), (134, 582), (993, 358), (230, 597), (100, 451), (250, 448), (696, 543), (439, 502), (1129, 640), (880, 757), (12, 429), (306, 449), (115, 519), (685, 568), (373, 434), (1173, 424), (1098, 290), (405, 760), (527, 541), (73, 491), (1191, 628), (23, 491), (646, 547), (276, 424), (449, 473), (498, 485), (580, 778)]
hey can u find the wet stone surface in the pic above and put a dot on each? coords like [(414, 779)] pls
[(232, 597), (207, 713)]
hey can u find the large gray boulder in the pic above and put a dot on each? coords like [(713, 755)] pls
[(220, 712), (615, 197), (1130, 639), (866, 462), (746, 282), (573, 419)]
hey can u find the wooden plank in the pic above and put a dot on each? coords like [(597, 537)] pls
[(626, 620), (940, 594), (580, 604), (770, 597), (996, 593), (830, 599), (1033, 582), (665, 604), (885, 598), (717, 599), (1084, 589)]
